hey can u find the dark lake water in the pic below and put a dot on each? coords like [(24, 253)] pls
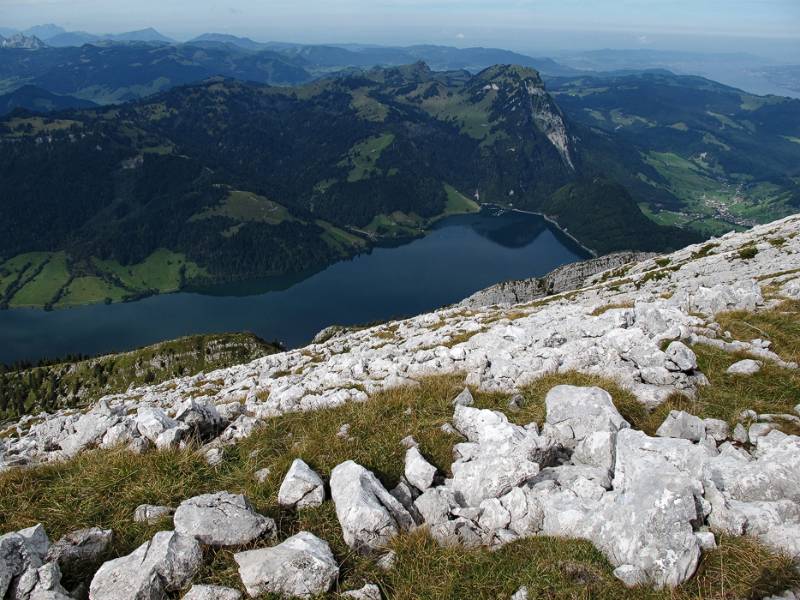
[(460, 256)]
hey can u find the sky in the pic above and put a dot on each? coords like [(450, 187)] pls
[(769, 26)]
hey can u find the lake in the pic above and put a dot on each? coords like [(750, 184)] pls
[(462, 254)]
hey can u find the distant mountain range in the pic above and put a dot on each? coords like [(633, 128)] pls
[(109, 72), (56, 36), (755, 74), (120, 72)]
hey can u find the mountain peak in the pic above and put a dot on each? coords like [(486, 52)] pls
[(22, 41), (510, 74)]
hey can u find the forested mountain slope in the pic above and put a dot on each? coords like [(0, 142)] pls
[(724, 156), (226, 180)]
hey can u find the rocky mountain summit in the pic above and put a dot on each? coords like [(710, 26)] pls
[(22, 42), (651, 504)]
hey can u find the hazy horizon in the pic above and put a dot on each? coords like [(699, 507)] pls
[(769, 28)]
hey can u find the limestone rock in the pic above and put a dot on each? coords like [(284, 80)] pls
[(717, 428), (89, 430), (152, 422), (150, 514), (212, 592), (629, 575), (243, 426), (262, 474), (747, 366), (369, 515), (172, 438), (706, 540), (344, 431), (576, 412), (521, 594), (82, 546), (214, 456), (758, 430), (681, 356), (464, 398), (165, 564), (680, 424), (43, 583), (202, 418), (370, 591), (409, 442), (386, 562), (498, 457), (22, 553), (596, 450), (301, 487), (303, 566), (740, 434), (418, 471), (222, 519)]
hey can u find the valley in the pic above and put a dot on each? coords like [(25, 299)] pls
[(307, 175), (326, 158), (720, 153), (459, 255)]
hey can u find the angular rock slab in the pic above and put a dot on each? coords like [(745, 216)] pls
[(301, 567), (21, 552), (301, 487), (222, 519), (418, 471), (84, 545), (498, 457), (43, 583), (164, 564), (680, 424), (369, 515), (575, 412)]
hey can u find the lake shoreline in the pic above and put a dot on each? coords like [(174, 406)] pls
[(459, 256)]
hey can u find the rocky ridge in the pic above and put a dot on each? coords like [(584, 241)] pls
[(22, 42), (561, 279), (648, 503)]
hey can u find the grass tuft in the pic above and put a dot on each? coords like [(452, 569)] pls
[(601, 310)]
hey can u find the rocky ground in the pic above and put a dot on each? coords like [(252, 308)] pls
[(651, 504)]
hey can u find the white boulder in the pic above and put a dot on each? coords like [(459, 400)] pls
[(164, 564), (301, 487), (418, 471), (369, 515), (222, 519), (303, 566)]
